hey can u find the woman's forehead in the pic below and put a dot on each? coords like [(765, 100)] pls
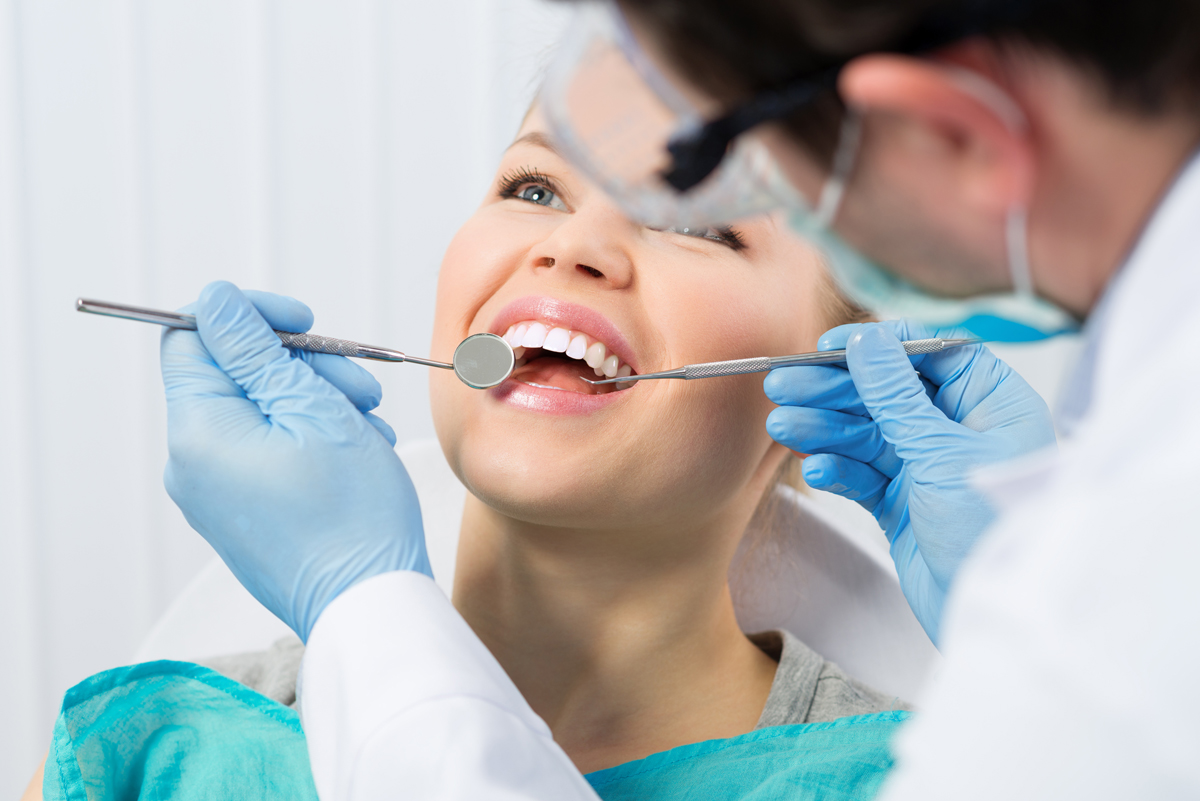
[(534, 120), (536, 133)]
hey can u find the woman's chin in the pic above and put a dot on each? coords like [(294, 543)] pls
[(550, 507), (545, 478)]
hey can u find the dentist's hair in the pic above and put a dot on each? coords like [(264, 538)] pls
[(1146, 53)]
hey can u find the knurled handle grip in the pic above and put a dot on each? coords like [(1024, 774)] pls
[(760, 364), (318, 344), (916, 347)]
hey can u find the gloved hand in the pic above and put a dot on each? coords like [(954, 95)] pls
[(276, 460), (902, 435)]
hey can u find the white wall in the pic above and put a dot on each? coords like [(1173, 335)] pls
[(327, 150), (323, 149)]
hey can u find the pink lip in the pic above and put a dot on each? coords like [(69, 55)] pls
[(566, 315), (552, 401)]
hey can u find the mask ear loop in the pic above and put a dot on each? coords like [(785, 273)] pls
[(830, 201), (1016, 237), (1016, 223)]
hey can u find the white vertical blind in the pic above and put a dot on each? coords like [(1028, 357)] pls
[(327, 150)]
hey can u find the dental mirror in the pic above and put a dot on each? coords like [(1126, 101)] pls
[(481, 361)]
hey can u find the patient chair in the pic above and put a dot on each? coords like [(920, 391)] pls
[(823, 573)]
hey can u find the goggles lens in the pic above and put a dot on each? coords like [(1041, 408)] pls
[(614, 114)]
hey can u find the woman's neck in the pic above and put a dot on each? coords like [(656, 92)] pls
[(622, 648)]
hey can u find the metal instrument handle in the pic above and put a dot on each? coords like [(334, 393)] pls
[(319, 344), (912, 347), (758, 364), (916, 347), (313, 343), (761, 364)]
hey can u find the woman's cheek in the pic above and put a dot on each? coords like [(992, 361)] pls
[(717, 437)]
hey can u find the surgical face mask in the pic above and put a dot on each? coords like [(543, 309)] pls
[(1017, 316)]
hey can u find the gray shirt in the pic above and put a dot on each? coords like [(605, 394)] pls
[(807, 689)]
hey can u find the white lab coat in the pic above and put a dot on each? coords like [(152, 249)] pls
[(1072, 638), (1072, 643)]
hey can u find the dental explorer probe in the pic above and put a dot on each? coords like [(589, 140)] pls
[(761, 364), (480, 361)]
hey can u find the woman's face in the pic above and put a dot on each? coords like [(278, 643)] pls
[(548, 257)]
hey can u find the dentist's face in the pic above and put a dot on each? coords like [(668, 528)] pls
[(548, 261)]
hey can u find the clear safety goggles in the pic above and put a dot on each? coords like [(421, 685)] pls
[(636, 134)]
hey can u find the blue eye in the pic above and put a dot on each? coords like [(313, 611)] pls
[(532, 187), (536, 194), (541, 195)]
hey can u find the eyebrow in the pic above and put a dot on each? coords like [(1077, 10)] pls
[(536, 138)]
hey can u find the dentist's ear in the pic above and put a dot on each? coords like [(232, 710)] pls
[(950, 126)]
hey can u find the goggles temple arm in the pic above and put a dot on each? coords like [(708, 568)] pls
[(697, 153)]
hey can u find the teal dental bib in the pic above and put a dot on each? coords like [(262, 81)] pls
[(174, 730), (841, 760), (178, 731)]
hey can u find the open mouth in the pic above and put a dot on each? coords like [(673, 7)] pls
[(558, 358)]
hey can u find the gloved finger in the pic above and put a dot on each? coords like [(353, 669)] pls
[(382, 427), (894, 395), (199, 393), (243, 345), (355, 382), (852, 480), (821, 387), (835, 338), (904, 329), (965, 376), (818, 386), (939, 368), (281, 312), (965, 380), (188, 369), (807, 430)]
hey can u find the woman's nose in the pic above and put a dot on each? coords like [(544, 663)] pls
[(594, 244)]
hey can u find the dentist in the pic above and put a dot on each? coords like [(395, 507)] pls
[(1020, 168)]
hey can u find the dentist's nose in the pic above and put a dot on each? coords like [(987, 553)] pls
[(594, 244)]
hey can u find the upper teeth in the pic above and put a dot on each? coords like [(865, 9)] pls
[(573, 344)]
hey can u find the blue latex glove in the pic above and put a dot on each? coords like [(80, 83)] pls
[(277, 461), (902, 435)]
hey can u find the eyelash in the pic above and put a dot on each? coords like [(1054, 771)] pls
[(512, 182), (731, 238), (725, 236)]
